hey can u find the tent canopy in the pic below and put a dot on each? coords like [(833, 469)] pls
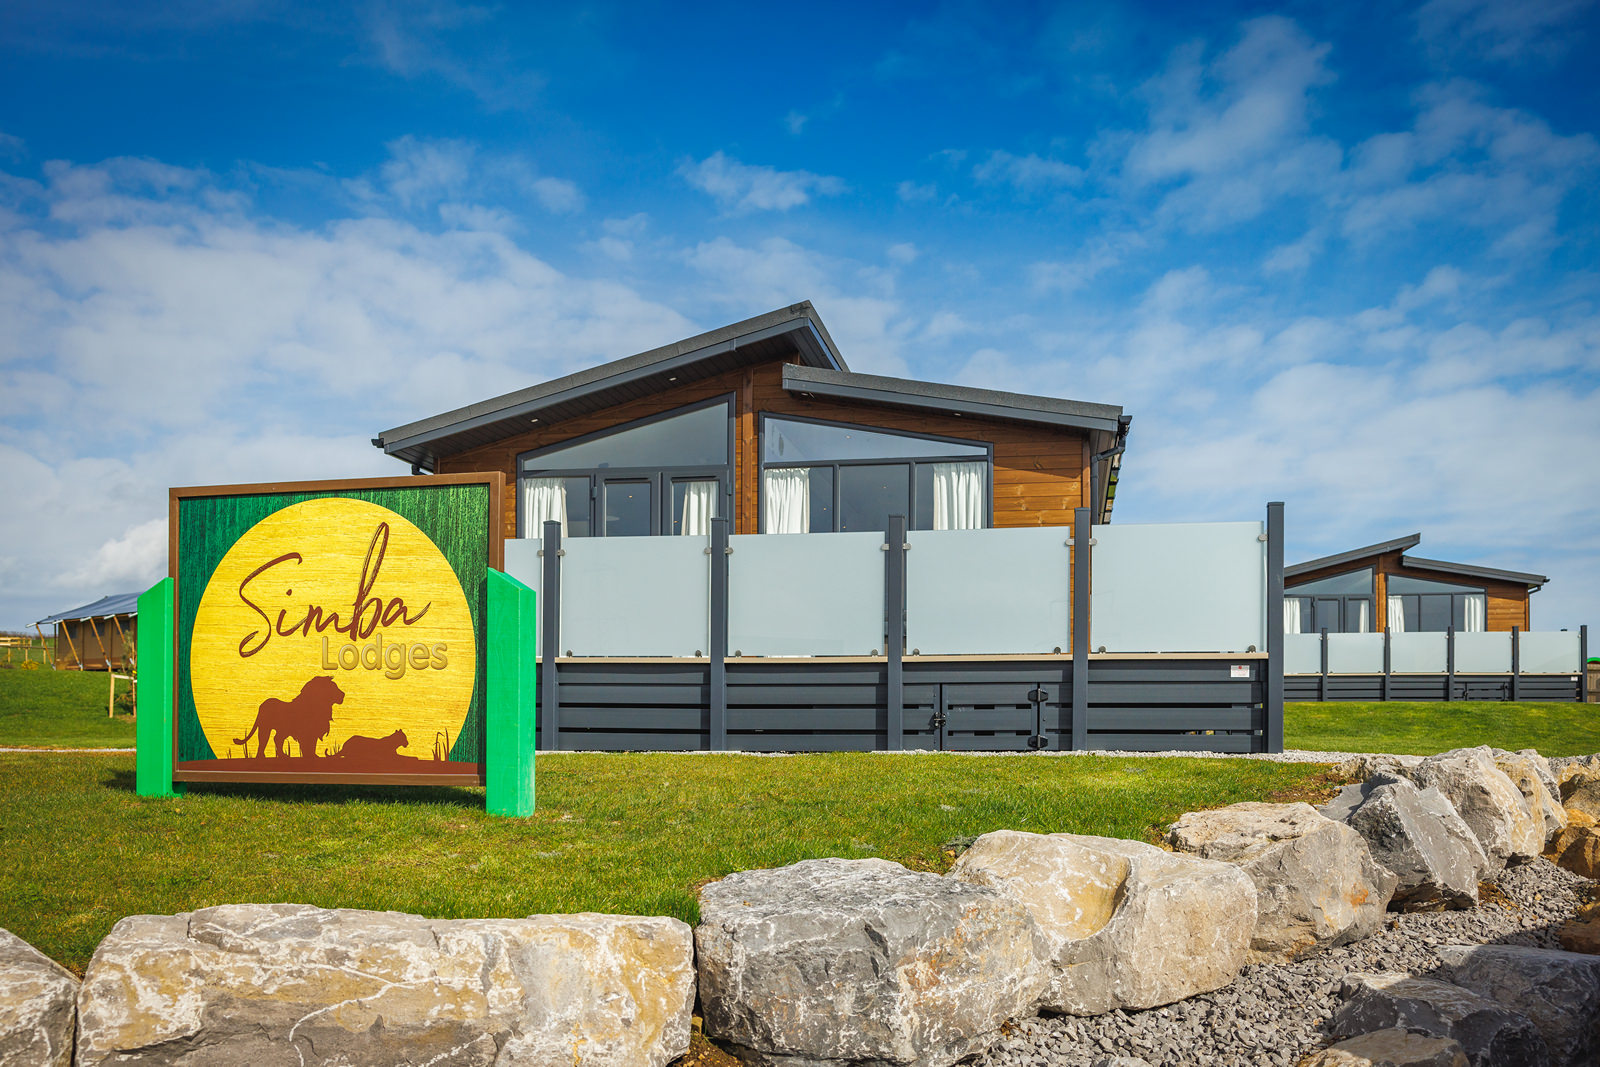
[(116, 604)]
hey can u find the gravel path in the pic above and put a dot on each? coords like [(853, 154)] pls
[(1273, 1014)]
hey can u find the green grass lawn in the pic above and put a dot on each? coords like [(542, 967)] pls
[(614, 833), (67, 709), (1421, 729)]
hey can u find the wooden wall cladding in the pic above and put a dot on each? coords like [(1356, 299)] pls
[(1039, 473)]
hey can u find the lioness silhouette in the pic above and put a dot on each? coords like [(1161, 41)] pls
[(307, 718), (359, 747)]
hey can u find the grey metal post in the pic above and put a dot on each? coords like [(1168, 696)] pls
[(1388, 666), (718, 641), (1322, 677), (1082, 535), (1516, 658), (550, 646), (1583, 664), (894, 589), (1449, 662), (1275, 653)]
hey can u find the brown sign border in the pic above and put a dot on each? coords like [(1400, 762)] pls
[(496, 482)]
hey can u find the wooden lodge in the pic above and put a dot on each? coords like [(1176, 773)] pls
[(1342, 593), (96, 637), (699, 631), (781, 384)]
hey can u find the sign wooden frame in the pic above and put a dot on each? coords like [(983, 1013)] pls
[(494, 481)]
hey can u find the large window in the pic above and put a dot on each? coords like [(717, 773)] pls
[(1419, 604), (819, 477), (670, 474), (1341, 605)]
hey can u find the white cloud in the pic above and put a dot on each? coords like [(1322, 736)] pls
[(902, 252), (1027, 174), (558, 195), (913, 193), (795, 122), (740, 187), (422, 174), (859, 304), (134, 560), (158, 329), (1525, 31)]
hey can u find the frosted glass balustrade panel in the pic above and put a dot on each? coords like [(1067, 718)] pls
[(806, 594), (1302, 653), (1420, 653), (1549, 652), (524, 563), (635, 596), (987, 592), (1355, 653), (1179, 587), (1483, 653)]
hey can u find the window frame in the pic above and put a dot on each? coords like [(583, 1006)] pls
[(1346, 613), (661, 477), (762, 466)]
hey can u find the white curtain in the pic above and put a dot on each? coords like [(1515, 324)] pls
[(1477, 613), (958, 495), (699, 499), (1291, 615), (544, 500), (786, 501), (1397, 615), (1363, 616)]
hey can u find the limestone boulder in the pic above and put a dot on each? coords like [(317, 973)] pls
[(38, 1006), (1580, 796), (270, 984), (1127, 925), (836, 961), (1580, 935), (1390, 1048), (1487, 801), (1577, 848), (1416, 834), (1531, 775), (1565, 768), (1491, 1036), (1558, 991), (1317, 885), (1543, 769), (1360, 768)]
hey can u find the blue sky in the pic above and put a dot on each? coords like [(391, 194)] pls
[(1339, 255)]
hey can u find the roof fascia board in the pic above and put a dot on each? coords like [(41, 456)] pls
[(632, 374), (1471, 571), (884, 394), (1399, 544)]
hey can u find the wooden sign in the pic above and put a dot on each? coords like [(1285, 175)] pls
[(333, 631)]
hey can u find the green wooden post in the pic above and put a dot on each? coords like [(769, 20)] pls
[(513, 683), (153, 762)]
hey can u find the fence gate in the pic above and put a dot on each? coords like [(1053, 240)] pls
[(999, 716)]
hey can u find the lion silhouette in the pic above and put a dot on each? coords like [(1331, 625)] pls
[(307, 718), (359, 747)]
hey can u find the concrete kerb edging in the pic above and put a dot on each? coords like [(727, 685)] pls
[(938, 963)]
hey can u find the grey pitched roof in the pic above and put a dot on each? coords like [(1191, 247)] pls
[(1469, 570), (1399, 544), (951, 399), (796, 329), (116, 604)]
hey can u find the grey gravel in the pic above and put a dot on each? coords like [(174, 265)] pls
[(1274, 1014)]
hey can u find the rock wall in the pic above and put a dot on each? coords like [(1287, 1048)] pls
[(868, 964)]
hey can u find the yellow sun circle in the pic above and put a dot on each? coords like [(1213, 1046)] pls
[(338, 588)]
